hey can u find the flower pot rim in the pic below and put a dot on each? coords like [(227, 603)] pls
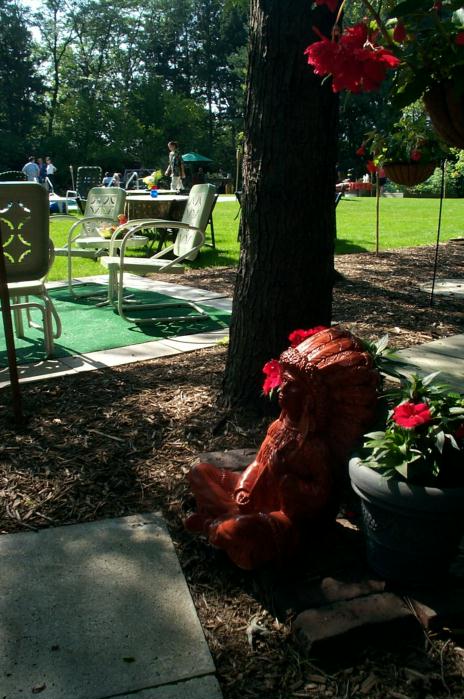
[(414, 163), (409, 173), (369, 483)]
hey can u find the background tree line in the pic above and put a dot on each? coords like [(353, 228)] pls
[(107, 82)]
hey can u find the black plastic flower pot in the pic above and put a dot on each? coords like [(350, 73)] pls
[(412, 532)]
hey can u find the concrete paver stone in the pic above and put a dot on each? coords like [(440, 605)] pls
[(445, 356), (198, 688), (445, 287), (93, 610)]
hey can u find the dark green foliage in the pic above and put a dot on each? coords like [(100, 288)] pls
[(21, 88), (121, 80)]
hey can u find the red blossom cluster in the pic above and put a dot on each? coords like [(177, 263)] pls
[(353, 59), (298, 336), (331, 4), (410, 415), (272, 368), (273, 376)]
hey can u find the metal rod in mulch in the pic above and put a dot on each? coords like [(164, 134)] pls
[(9, 339), (377, 212), (442, 194)]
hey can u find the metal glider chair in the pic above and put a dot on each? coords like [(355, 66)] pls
[(189, 239), (212, 244), (85, 238), (88, 177), (28, 250)]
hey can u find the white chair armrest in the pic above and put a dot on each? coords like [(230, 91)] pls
[(80, 222)]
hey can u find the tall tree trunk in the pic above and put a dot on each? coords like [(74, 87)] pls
[(285, 273)]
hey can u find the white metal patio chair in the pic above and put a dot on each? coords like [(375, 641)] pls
[(28, 251), (189, 239), (85, 239)]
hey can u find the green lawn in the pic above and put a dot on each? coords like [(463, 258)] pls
[(403, 223)]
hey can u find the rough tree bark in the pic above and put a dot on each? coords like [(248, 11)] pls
[(285, 273)]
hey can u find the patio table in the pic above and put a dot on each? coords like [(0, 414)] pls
[(169, 207)]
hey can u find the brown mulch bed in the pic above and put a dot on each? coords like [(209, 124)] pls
[(380, 294), (117, 441)]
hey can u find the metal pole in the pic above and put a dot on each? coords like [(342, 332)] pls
[(237, 174), (72, 177), (435, 265), (9, 339), (377, 213)]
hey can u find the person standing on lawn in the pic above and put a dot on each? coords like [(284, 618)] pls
[(31, 170), (51, 169), (42, 170), (175, 167)]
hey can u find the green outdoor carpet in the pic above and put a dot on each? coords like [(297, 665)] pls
[(88, 328)]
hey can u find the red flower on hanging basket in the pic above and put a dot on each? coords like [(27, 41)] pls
[(355, 61), (331, 4)]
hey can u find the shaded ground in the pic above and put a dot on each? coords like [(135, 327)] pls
[(380, 293), (119, 441)]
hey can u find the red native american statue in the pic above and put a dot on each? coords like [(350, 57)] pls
[(328, 394)]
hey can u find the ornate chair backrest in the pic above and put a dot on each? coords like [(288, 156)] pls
[(197, 212), (107, 202), (24, 226)]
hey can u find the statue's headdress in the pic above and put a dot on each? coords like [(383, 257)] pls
[(345, 380)]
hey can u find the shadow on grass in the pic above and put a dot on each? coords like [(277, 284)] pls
[(214, 257), (344, 247)]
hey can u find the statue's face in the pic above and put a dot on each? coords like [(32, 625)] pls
[(294, 395)]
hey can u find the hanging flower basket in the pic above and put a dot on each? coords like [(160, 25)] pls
[(409, 174), (446, 111)]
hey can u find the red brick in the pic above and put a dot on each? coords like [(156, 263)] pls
[(333, 590), (334, 621), (439, 608)]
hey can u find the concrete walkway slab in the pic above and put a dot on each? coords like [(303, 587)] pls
[(91, 611), (203, 688), (445, 356), (446, 287)]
